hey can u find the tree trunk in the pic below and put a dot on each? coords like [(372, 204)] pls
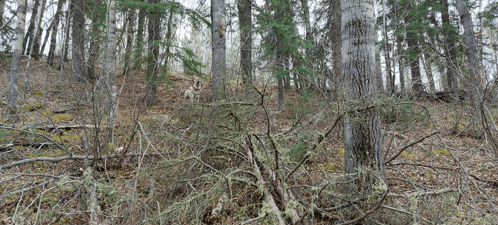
[(336, 37), (55, 29), (16, 59), (428, 71), (414, 57), (110, 68), (309, 61), (245, 24), (139, 44), (36, 45), (129, 40), (472, 54), (218, 67), (387, 50), (94, 53), (78, 72), (401, 66), (362, 123), (31, 27), (450, 50), (154, 35)]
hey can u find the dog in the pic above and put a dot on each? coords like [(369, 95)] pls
[(194, 92)]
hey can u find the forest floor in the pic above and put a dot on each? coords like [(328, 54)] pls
[(446, 171)]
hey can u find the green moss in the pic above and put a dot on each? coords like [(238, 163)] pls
[(442, 151), (32, 107), (62, 117)]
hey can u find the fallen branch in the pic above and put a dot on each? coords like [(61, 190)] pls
[(410, 145), (423, 193), (33, 145), (368, 212), (63, 158), (66, 127)]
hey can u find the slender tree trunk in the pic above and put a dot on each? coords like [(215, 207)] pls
[(110, 68), (401, 66), (245, 24), (55, 29), (129, 40), (78, 72), (428, 71), (154, 35), (218, 13), (414, 57), (387, 51), (139, 44), (336, 37), (472, 54), (309, 61), (16, 59), (362, 123), (2, 4), (94, 53), (36, 45), (31, 27), (32, 51), (450, 50), (69, 27), (169, 33)]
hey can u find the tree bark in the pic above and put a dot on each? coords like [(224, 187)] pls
[(16, 59), (78, 72), (414, 57), (450, 50), (129, 40), (245, 24), (35, 50), (95, 33), (154, 35), (472, 54), (362, 123), (139, 44), (55, 29), (30, 33), (110, 68), (218, 13), (387, 50)]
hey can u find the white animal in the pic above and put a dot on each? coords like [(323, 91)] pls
[(194, 92)]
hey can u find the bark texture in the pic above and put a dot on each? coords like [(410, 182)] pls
[(154, 35), (218, 67), (475, 75), (362, 123), (450, 50), (78, 71), (16, 59), (245, 23)]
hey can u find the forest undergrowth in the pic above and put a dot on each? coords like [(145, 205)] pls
[(236, 161)]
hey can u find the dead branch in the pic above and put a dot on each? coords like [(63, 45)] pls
[(404, 211), (64, 127), (410, 145), (63, 158), (367, 212), (262, 184), (423, 193), (33, 145)]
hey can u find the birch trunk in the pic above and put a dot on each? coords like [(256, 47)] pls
[(362, 123), (16, 59), (110, 68)]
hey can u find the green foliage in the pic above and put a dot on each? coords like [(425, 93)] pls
[(401, 109)]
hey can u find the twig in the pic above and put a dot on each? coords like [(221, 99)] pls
[(410, 145), (403, 211), (367, 212), (253, 219)]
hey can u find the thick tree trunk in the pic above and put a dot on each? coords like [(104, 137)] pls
[(245, 24), (154, 35), (218, 67), (78, 72), (16, 59), (475, 75), (362, 123)]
